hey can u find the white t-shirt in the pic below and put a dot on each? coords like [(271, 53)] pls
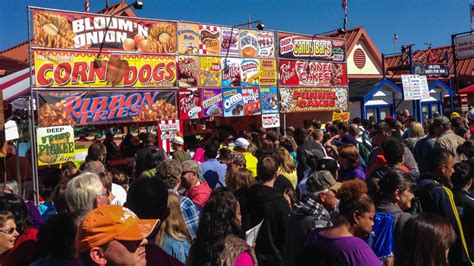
[(120, 195)]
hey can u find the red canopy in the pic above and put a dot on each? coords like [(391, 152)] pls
[(468, 89)]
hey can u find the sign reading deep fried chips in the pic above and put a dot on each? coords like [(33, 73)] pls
[(296, 46), (79, 69), (55, 145), (313, 99), (86, 31)]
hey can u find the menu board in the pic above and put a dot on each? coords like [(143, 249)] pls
[(233, 102), (209, 37), (313, 99), (211, 102), (251, 99), (189, 102), (188, 38), (312, 73), (296, 46), (211, 72)]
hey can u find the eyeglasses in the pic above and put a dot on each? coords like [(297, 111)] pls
[(8, 231)]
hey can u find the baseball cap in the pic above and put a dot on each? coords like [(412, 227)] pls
[(327, 163), (321, 180), (454, 115), (470, 114), (442, 120), (111, 222), (178, 140), (242, 143)]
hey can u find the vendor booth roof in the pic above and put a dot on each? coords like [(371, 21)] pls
[(468, 89)]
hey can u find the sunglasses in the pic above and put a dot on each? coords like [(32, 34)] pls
[(9, 231)]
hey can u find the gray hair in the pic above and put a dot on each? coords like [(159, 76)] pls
[(191, 165), (12, 186), (82, 192), (169, 171), (95, 167)]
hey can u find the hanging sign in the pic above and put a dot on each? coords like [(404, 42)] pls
[(296, 46), (432, 70), (189, 102), (270, 120), (233, 102), (211, 102), (312, 73), (251, 99), (55, 145), (167, 130), (341, 116), (313, 99)]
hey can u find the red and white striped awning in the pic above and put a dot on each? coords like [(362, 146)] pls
[(16, 84)]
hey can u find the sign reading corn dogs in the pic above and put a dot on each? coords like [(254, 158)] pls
[(55, 145), (78, 69)]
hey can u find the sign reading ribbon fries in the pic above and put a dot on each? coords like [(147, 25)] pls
[(55, 145)]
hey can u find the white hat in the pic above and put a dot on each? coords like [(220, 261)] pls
[(470, 114), (242, 143), (178, 140)]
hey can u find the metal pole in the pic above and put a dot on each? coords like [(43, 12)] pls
[(18, 171), (456, 78), (383, 65)]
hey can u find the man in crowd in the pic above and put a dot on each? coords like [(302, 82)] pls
[(141, 155), (196, 189), (306, 148), (447, 139), (213, 170), (424, 148), (113, 235), (96, 152), (241, 145), (313, 211), (179, 154), (170, 172)]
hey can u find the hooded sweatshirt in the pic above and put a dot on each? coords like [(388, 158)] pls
[(267, 204)]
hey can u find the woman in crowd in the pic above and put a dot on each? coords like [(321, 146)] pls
[(416, 132), (174, 236), (343, 243), (8, 233), (239, 183), (349, 159), (286, 166), (220, 240), (425, 240)]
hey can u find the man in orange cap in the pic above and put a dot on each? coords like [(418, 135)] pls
[(113, 235)]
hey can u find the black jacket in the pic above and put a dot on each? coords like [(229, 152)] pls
[(141, 157), (267, 203), (304, 152), (465, 204)]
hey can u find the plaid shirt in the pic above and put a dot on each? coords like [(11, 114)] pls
[(190, 214)]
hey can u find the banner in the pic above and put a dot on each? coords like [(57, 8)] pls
[(270, 120), (189, 102), (55, 145), (248, 42), (211, 75), (313, 99), (431, 70), (295, 46), (188, 71), (211, 102), (341, 116), (231, 72), (209, 40), (86, 31), (57, 108), (250, 72), (188, 38), (79, 69), (229, 42), (251, 99), (266, 44), (167, 130), (313, 73), (267, 72), (464, 46), (233, 102), (269, 100)]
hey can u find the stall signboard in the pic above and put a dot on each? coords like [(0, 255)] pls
[(211, 102), (313, 99), (167, 130), (188, 38), (87, 107), (59, 69), (189, 102), (431, 70), (266, 44), (464, 46), (87, 31), (270, 120), (341, 116), (250, 72), (55, 145), (189, 68), (267, 72), (229, 41), (312, 73), (296, 46), (233, 102), (415, 87), (251, 99), (248, 42), (209, 40), (231, 72), (269, 100), (211, 75)]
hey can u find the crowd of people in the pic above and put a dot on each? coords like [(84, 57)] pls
[(393, 192)]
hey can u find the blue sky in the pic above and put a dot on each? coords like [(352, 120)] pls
[(415, 21)]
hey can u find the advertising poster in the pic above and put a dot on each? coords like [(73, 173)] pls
[(167, 130), (211, 72), (86, 31), (229, 42), (211, 102), (313, 73), (189, 71), (231, 73), (248, 42), (188, 38), (55, 145), (233, 102), (270, 120), (79, 69), (250, 72), (269, 100), (341, 116), (313, 99), (267, 72), (251, 98), (209, 40), (189, 102), (58, 108), (266, 44), (295, 46)]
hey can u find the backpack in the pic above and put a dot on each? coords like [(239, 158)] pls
[(364, 151), (381, 239)]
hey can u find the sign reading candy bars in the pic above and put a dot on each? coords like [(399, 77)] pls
[(296, 46), (211, 102), (251, 99), (78, 69), (233, 102), (58, 108), (86, 31), (313, 99), (189, 102), (312, 73)]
